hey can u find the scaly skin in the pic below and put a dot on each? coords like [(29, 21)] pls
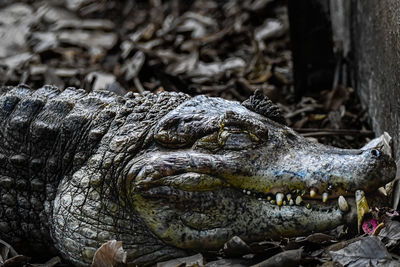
[(163, 173)]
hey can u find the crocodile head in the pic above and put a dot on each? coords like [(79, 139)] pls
[(220, 170), (207, 170)]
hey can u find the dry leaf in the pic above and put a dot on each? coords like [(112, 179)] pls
[(285, 259), (6, 251), (236, 247), (194, 260), (390, 234), (109, 254), (369, 251), (317, 238), (19, 260)]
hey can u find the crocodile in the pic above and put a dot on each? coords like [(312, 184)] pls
[(167, 174)]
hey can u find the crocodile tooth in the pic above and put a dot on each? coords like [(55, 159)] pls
[(268, 198), (244, 191), (299, 199), (272, 201), (259, 198), (308, 206), (343, 205), (383, 191), (289, 197), (291, 202), (284, 203), (279, 199), (324, 197), (248, 192), (312, 192)]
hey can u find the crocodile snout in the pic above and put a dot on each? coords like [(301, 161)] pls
[(318, 172), (384, 164), (367, 171)]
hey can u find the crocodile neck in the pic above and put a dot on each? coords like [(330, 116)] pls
[(47, 135)]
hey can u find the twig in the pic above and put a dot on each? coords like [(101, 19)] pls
[(312, 132), (305, 109)]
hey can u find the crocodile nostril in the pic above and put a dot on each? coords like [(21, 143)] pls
[(375, 152)]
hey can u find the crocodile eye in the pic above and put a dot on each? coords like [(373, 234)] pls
[(375, 152), (237, 140)]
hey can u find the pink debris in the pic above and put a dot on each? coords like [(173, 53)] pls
[(393, 214), (369, 226)]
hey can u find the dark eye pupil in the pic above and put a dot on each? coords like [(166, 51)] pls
[(375, 152)]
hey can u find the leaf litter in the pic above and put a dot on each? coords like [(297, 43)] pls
[(228, 49)]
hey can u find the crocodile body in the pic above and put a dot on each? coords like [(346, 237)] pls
[(165, 173)]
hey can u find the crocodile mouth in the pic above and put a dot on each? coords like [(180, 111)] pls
[(185, 188)]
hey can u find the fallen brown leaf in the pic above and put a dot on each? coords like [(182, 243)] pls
[(287, 259), (110, 253)]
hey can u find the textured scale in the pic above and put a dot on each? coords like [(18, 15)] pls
[(47, 135), (262, 105)]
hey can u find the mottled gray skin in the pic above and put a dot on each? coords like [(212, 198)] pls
[(163, 173)]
